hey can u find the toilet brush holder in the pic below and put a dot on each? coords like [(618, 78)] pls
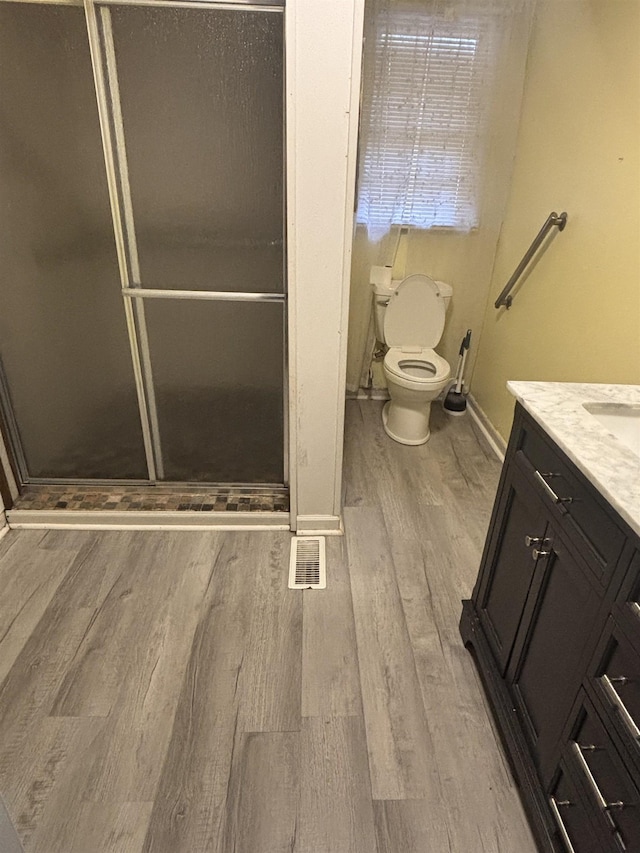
[(455, 402)]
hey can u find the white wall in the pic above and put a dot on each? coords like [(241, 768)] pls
[(324, 42)]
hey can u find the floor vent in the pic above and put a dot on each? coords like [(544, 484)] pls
[(307, 568)]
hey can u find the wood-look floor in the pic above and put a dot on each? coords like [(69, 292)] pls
[(166, 692)]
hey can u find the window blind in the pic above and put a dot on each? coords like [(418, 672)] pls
[(425, 118)]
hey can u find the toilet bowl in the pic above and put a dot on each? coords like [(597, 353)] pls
[(413, 324)]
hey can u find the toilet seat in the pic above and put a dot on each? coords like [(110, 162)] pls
[(423, 366)]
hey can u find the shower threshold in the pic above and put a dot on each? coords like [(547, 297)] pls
[(185, 498), (185, 506)]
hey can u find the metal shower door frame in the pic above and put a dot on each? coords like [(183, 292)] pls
[(103, 59), (126, 248)]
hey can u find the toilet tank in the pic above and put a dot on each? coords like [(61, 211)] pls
[(383, 289), (446, 291), (381, 295)]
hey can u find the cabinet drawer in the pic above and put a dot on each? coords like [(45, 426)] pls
[(579, 507), (608, 786), (615, 677), (575, 828)]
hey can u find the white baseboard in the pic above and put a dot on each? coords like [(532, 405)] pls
[(4, 530), (368, 394), (150, 520), (319, 525), (495, 441)]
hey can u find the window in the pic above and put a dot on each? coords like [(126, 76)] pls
[(427, 97)]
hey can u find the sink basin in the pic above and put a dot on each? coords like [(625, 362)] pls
[(622, 420)]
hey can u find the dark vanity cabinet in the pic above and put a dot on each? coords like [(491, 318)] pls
[(554, 625)]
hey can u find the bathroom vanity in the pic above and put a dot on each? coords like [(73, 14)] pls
[(554, 621)]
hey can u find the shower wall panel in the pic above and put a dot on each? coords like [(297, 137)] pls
[(63, 341)]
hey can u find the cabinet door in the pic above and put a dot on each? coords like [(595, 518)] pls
[(519, 527), (554, 638)]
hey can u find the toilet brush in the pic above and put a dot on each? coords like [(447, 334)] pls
[(455, 403)]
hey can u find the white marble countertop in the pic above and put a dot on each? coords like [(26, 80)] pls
[(610, 465)]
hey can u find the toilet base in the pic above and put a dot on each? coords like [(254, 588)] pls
[(420, 439)]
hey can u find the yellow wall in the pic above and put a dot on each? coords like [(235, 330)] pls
[(577, 316)]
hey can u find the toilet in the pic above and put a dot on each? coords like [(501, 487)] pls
[(409, 319)]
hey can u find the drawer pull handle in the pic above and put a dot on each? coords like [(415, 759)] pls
[(532, 540), (627, 719), (597, 793), (554, 497), (563, 830)]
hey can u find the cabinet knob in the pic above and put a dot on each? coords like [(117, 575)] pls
[(532, 540), (538, 552)]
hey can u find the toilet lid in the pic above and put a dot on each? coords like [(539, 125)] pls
[(415, 314)]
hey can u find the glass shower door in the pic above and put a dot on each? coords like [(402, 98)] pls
[(195, 104), (142, 285), (67, 380)]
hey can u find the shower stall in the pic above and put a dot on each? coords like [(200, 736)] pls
[(143, 285)]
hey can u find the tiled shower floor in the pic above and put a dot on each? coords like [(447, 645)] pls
[(153, 498)]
